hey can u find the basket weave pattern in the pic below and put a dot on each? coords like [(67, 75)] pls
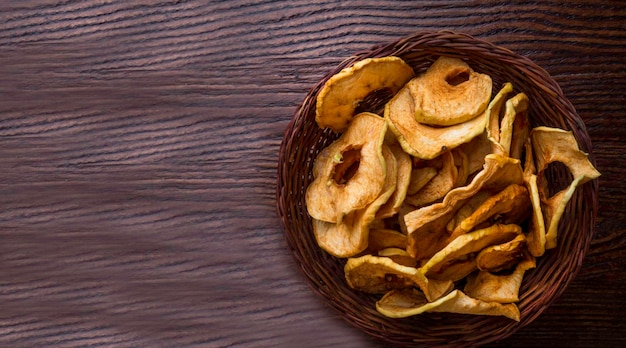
[(541, 286)]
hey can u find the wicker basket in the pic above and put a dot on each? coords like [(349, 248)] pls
[(303, 140)]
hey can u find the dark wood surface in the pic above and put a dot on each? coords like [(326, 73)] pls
[(138, 153)]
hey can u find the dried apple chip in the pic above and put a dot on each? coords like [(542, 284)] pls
[(382, 238), (409, 302), (426, 226), (419, 178), (514, 108), (536, 236), (439, 185), (424, 141), (503, 256), (557, 145), (450, 92), (476, 150), (349, 173), (467, 209), (341, 94), (404, 164), (487, 286), (399, 256), (521, 131), (463, 248), (377, 275), (493, 122), (350, 236), (513, 200)]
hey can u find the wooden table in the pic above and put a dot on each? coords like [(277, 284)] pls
[(138, 153)]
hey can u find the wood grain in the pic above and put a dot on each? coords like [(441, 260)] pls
[(138, 152)]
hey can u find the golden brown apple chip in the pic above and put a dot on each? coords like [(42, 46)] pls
[(424, 141), (514, 108), (426, 226), (449, 93), (439, 185), (382, 238), (399, 256), (350, 236), (504, 288), (404, 164), (462, 249), (503, 256), (349, 173), (513, 199), (342, 93)]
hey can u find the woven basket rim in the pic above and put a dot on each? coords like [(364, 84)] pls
[(555, 270)]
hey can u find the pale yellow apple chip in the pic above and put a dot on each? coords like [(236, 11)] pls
[(349, 173), (342, 93), (557, 145), (491, 287), (377, 275), (409, 302), (450, 92), (350, 236)]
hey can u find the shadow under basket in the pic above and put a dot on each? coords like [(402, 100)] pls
[(303, 140)]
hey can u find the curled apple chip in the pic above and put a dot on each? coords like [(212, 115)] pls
[(426, 226), (536, 236), (399, 256), (450, 92), (503, 256), (419, 178), (439, 185), (341, 94), (512, 200), (403, 174), (494, 118), (501, 288), (521, 127), (467, 209), (382, 238), (350, 236), (409, 302), (459, 254), (349, 173), (557, 145), (514, 108), (377, 275), (421, 140)]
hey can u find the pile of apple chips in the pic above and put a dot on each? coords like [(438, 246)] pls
[(439, 202)]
